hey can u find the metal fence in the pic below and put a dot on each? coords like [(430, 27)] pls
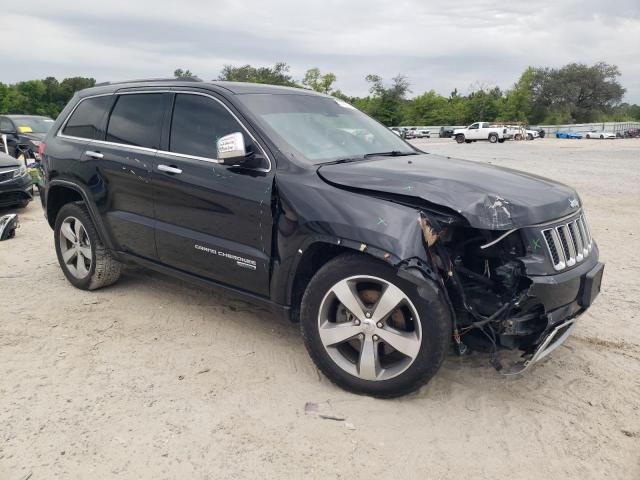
[(613, 127)]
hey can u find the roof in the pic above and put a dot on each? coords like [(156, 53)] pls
[(236, 88)]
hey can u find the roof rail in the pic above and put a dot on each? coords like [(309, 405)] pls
[(142, 80)]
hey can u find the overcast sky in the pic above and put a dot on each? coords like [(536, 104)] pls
[(438, 45)]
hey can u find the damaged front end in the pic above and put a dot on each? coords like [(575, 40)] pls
[(519, 290)]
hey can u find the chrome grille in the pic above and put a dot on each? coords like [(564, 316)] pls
[(568, 243), (7, 174)]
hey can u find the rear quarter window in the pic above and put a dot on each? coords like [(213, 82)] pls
[(87, 119)]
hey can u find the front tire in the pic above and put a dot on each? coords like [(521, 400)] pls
[(84, 260), (369, 331)]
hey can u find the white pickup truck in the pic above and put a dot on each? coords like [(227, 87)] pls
[(482, 131)]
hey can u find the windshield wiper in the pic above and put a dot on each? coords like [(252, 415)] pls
[(392, 153), (343, 160)]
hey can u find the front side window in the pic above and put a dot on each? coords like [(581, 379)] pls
[(317, 129), (86, 120), (136, 120), (198, 122)]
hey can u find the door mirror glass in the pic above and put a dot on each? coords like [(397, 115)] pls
[(231, 149)]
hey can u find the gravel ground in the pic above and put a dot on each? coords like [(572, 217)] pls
[(153, 378)]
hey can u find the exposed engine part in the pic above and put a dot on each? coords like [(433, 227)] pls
[(485, 280)]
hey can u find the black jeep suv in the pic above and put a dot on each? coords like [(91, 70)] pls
[(297, 201)]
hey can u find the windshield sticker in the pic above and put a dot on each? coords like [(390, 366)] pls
[(344, 104), (25, 129)]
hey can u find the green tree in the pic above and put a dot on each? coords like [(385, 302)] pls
[(575, 92), (179, 73), (516, 105), (314, 80), (276, 75), (386, 104)]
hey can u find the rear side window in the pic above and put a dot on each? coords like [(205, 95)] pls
[(137, 120), (198, 122), (86, 120)]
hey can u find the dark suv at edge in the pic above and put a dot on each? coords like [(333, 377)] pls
[(297, 201)]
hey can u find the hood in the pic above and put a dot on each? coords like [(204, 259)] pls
[(7, 161), (489, 197)]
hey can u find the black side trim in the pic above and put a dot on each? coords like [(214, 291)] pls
[(281, 311)]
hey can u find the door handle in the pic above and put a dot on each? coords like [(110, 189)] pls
[(169, 169), (92, 154)]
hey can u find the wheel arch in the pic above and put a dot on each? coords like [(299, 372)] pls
[(60, 193), (320, 252)]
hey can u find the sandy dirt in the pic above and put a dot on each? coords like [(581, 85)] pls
[(154, 378)]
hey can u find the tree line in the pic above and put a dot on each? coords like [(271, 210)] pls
[(573, 93)]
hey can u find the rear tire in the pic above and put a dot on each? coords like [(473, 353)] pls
[(460, 138), (360, 357), (529, 136), (84, 260), (493, 138)]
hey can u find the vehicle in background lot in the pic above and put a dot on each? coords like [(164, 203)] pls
[(599, 134), (446, 132), (482, 131), (569, 135), (631, 133), (401, 132), (24, 133), (532, 134), (16, 187), (418, 133), (385, 255), (519, 132), (541, 132)]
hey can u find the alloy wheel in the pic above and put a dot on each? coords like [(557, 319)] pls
[(369, 327), (75, 247)]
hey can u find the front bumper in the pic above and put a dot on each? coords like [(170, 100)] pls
[(15, 191), (583, 286)]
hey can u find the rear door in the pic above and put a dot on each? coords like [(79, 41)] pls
[(212, 220), (125, 158)]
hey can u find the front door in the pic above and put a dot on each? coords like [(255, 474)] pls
[(212, 220), (472, 133)]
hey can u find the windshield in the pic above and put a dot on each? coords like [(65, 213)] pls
[(32, 124), (319, 129)]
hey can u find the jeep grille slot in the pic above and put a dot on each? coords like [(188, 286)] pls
[(568, 243)]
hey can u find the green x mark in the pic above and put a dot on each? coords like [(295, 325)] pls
[(535, 243), (381, 221)]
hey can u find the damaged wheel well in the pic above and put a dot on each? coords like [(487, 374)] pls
[(313, 258)]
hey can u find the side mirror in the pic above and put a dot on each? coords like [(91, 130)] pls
[(231, 149)]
